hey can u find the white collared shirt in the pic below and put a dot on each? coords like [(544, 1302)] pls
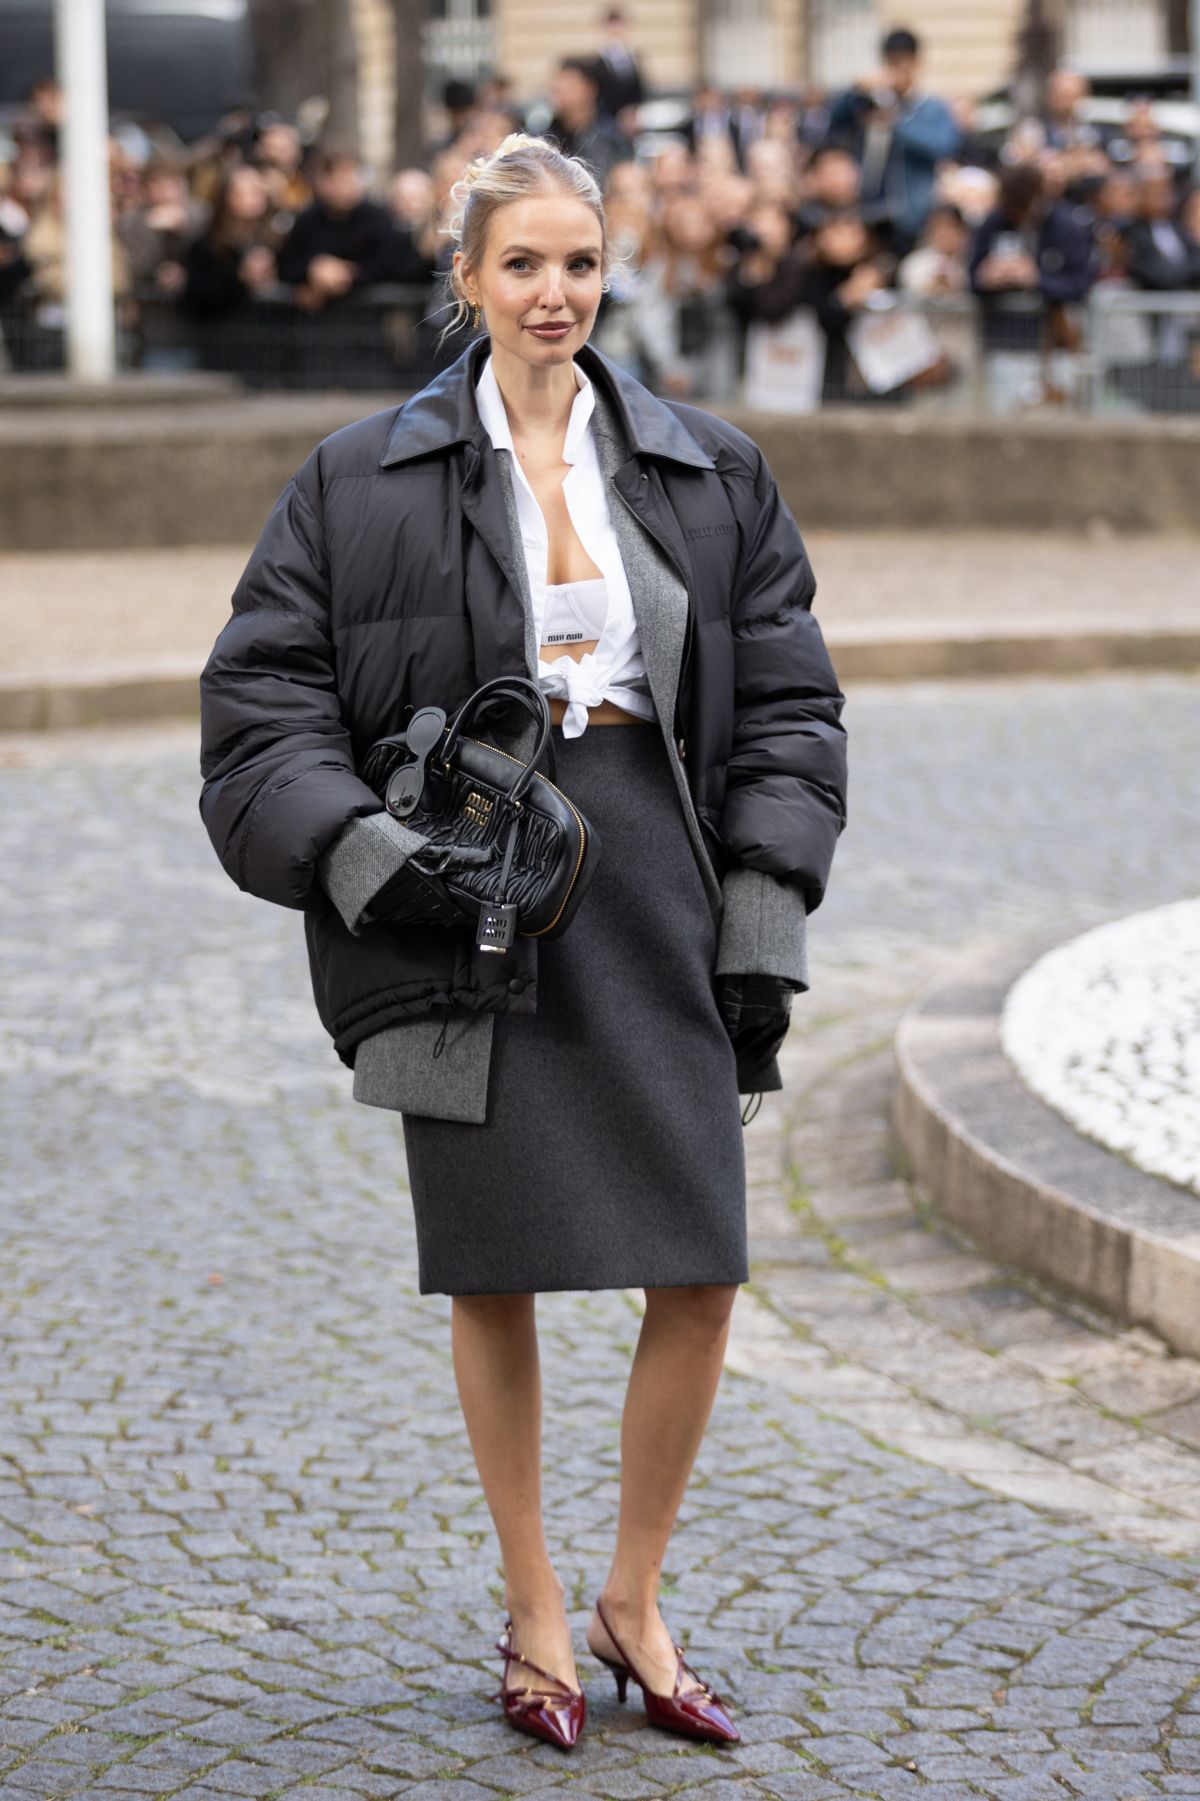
[(615, 670)]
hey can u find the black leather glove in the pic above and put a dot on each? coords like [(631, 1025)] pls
[(414, 896), (757, 1010)]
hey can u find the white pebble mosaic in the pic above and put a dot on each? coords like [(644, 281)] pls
[(1106, 1030)]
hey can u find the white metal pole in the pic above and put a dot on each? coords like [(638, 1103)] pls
[(83, 77), (1194, 51)]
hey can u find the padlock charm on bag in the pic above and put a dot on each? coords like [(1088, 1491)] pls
[(497, 926)]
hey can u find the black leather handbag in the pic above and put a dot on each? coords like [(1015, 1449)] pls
[(508, 852)]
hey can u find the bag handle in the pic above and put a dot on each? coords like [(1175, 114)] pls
[(508, 687)]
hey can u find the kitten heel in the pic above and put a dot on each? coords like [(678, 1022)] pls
[(620, 1673)]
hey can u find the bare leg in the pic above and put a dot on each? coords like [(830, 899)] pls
[(495, 1348), (672, 1385)]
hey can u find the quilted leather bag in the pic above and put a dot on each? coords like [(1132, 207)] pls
[(508, 852)]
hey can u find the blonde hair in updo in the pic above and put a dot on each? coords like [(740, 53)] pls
[(519, 166)]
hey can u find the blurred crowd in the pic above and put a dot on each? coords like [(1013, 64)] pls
[(759, 210)]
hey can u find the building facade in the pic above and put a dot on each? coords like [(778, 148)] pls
[(769, 43), (970, 46)]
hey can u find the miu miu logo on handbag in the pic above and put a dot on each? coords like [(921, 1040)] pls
[(535, 841), (476, 808)]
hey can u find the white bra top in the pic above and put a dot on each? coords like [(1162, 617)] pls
[(574, 612), (599, 607)]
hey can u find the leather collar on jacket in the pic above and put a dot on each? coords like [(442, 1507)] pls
[(445, 412)]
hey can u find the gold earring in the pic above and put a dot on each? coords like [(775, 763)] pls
[(475, 320)]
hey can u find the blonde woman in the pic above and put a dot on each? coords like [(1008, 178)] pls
[(570, 1110)]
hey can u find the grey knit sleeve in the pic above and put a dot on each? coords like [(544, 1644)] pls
[(364, 856), (764, 927)]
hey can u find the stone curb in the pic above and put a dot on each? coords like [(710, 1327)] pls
[(167, 688), (99, 695), (917, 653), (1030, 1190), (49, 392)]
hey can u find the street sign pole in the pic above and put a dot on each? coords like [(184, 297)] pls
[(82, 76)]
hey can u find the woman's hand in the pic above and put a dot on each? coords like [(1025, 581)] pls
[(257, 267), (865, 279)]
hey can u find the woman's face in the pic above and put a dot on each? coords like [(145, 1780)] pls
[(842, 242), (673, 171), (770, 167), (716, 155), (30, 180), (1118, 198), (728, 199), (944, 234), (688, 227), (247, 197), (412, 196), (541, 267), (629, 183), (1140, 125), (773, 228), (835, 180), (279, 147), (164, 187)]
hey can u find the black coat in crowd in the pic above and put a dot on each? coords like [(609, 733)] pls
[(600, 145), (1163, 261), (1062, 250), (365, 236), (800, 281), (214, 276), (620, 77), (385, 579)]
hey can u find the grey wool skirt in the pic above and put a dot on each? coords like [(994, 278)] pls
[(611, 1155)]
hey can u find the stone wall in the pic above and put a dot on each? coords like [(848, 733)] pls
[(95, 477)]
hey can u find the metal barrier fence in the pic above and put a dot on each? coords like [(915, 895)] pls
[(1124, 351), (1143, 351), (377, 338)]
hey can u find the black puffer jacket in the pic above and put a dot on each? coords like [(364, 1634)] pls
[(384, 579)]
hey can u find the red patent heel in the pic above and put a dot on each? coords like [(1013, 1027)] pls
[(700, 1713), (619, 1670), (556, 1717)]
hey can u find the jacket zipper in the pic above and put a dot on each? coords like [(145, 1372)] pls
[(685, 660)]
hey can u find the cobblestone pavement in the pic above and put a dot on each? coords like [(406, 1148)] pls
[(242, 1551), (1106, 1028)]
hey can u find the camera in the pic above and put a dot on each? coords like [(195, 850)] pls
[(743, 240)]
